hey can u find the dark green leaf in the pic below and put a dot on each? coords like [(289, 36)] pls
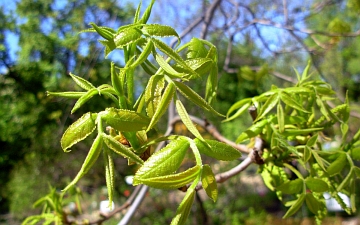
[(292, 186), (125, 120), (120, 149), (296, 206), (166, 161), (208, 182), (79, 130), (355, 153), (336, 166), (217, 150), (316, 184), (313, 204)]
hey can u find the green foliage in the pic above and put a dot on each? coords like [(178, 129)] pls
[(289, 120)]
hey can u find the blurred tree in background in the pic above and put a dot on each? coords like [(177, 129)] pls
[(258, 42)]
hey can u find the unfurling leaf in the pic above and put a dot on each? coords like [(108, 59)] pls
[(217, 150), (90, 159), (153, 92), (162, 105), (79, 130), (171, 181), (208, 182), (109, 174), (120, 149), (83, 99), (81, 82), (124, 120), (126, 37), (164, 162)]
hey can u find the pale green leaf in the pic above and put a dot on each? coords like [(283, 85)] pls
[(172, 181), (252, 131), (292, 186), (126, 37), (208, 182), (290, 101), (120, 149), (296, 206), (81, 82), (160, 31), (281, 118), (217, 150), (83, 99), (166, 161), (194, 97), (125, 120), (183, 210), (185, 118), (90, 159), (162, 105), (79, 130), (268, 106), (109, 175), (153, 93)]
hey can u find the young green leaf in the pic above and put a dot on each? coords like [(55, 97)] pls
[(162, 105), (252, 131), (292, 186), (143, 55), (337, 165), (268, 106), (208, 182), (90, 159), (109, 175), (211, 84), (290, 101), (120, 149), (346, 181), (196, 49), (296, 206), (171, 181), (146, 14), (313, 204), (153, 92), (167, 68), (126, 37), (79, 130), (160, 31), (307, 154), (83, 99), (81, 82), (164, 162), (183, 210), (239, 104), (194, 97), (217, 150), (316, 184), (312, 141), (115, 80), (109, 46), (281, 118), (104, 32), (185, 118), (124, 120), (68, 94)]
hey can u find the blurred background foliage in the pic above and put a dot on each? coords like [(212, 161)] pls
[(40, 45)]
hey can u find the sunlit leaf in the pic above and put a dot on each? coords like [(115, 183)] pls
[(290, 101), (160, 31), (120, 149), (153, 92), (217, 150), (194, 97), (185, 118), (90, 159), (79, 130), (252, 131), (166, 161), (162, 105), (83, 99), (183, 210), (208, 182), (146, 14), (171, 181), (81, 82), (125, 120), (281, 118), (268, 106), (126, 37), (109, 175)]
